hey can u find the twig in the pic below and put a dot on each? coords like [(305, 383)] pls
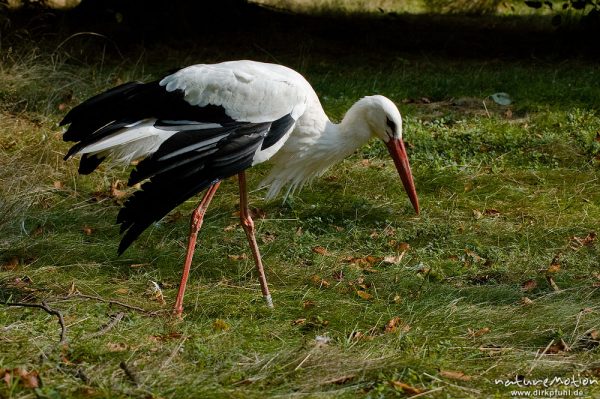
[(109, 326), (130, 374), (44, 306)]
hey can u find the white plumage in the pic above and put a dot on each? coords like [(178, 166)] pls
[(204, 123)]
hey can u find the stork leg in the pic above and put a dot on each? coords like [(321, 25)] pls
[(248, 226), (195, 224)]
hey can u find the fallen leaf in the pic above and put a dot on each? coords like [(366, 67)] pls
[(322, 340), (552, 283), (576, 243), (87, 230), (11, 264), (554, 265), (403, 246), (491, 212), (298, 322), (407, 389), (472, 257), (237, 257), (122, 291), (477, 333), (308, 304), (257, 213), (268, 237), (364, 295), (558, 347), (365, 162), (526, 301), (39, 230), (455, 375), (220, 325), (394, 259), (338, 275), (165, 337), (339, 380), (529, 285), (115, 191), (58, 185), (29, 379), (319, 282), (320, 250), (116, 346), (138, 265), (391, 325)]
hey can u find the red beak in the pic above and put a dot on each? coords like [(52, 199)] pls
[(398, 153)]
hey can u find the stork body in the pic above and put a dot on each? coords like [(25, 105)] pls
[(205, 123)]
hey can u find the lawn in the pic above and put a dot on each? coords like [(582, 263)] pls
[(498, 278)]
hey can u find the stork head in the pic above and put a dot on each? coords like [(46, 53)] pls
[(384, 121)]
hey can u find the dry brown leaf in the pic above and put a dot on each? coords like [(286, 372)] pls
[(165, 337), (87, 230), (29, 379), (319, 282), (364, 294), (115, 191), (478, 333), (116, 346), (320, 250), (237, 257), (39, 230), (557, 347), (11, 264), (220, 325), (231, 227), (529, 285), (396, 324), (576, 243), (338, 275), (526, 301), (138, 265), (58, 184), (308, 304), (491, 212), (268, 237), (394, 259), (473, 257), (455, 375), (407, 389), (298, 322), (552, 283), (340, 380)]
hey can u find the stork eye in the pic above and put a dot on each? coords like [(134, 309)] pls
[(391, 124)]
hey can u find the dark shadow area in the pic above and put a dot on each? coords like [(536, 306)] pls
[(236, 24)]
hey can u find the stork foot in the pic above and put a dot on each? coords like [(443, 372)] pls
[(268, 301)]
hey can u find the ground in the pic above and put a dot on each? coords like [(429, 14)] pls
[(497, 280)]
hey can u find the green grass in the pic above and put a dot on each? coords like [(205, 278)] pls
[(501, 194)]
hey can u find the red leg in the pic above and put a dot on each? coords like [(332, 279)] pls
[(248, 226), (195, 224)]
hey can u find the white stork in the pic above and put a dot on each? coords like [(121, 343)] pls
[(205, 123)]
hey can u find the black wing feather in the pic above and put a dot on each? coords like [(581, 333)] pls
[(172, 185), (188, 162)]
